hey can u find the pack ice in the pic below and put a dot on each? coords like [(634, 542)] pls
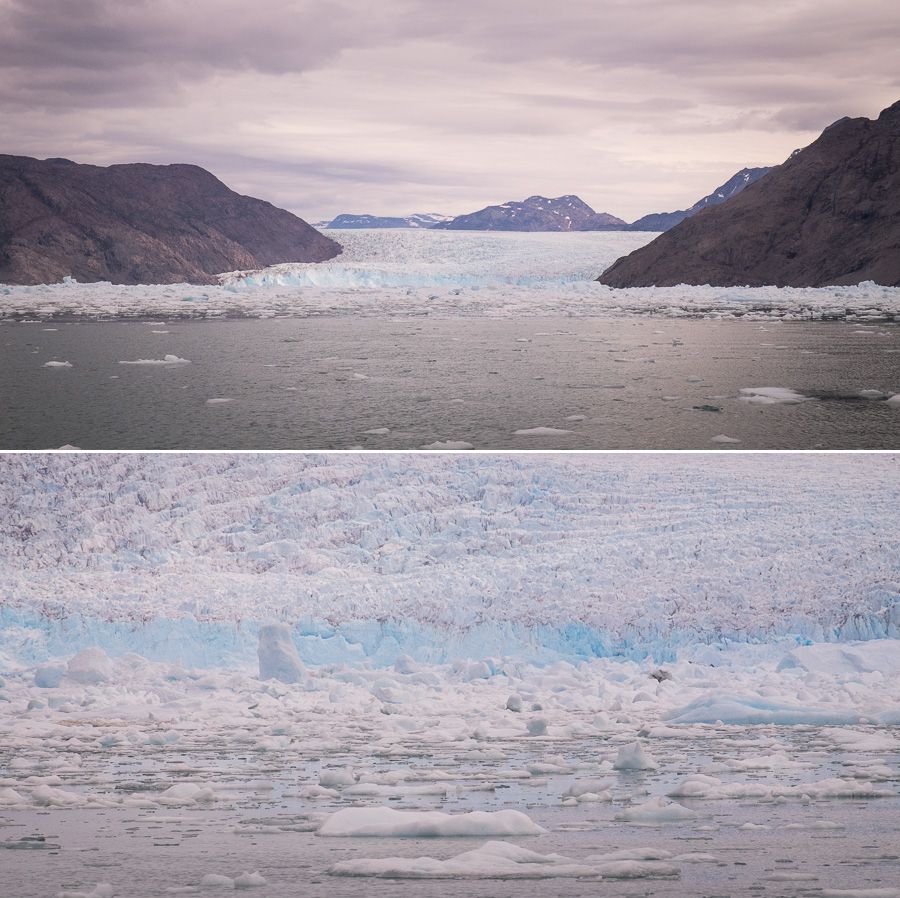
[(321, 668), (402, 273)]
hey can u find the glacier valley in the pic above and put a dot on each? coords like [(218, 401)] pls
[(440, 274)]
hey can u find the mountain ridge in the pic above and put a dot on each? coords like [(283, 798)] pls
[(536, 213), (827, 216), (137, 223)]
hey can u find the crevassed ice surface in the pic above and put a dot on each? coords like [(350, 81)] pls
[(403, 273), (180, 557), (450, 727)]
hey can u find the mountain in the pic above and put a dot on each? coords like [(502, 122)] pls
[(416, 220), (662, 221), (830, 214), (537, 213), (138, 224)]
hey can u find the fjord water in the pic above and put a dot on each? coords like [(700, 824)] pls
[(735, 849), (339, 382)]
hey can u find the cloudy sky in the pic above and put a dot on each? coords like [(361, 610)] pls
[(394, 106)]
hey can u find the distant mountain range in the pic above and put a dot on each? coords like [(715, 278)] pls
[(138, 224), (541, 213), (829, 215), (416, 220), (537, 213), (662, 221)]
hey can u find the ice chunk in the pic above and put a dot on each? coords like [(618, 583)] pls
[(772, 395), (448, 445), (168, 359), (278, 657), (57, 365), (186, 794), (337, 776), (537, 726), (514, 703), (49, 676), (656, 810), (634, 757), (502, 860), (90, 666), (384, 822), (10, 796), (540, 432)]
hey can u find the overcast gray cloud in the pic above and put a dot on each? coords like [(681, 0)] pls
[(403, 105)]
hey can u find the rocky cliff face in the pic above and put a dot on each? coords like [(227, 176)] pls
[(138, 223), (662, 221), (828, 215), (537, 213)]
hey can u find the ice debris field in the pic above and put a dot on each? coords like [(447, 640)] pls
[(415, 273), (345, 675)]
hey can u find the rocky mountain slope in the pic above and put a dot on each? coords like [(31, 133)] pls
[(662, 221), (829, 215), (138, 224), (537, 213)]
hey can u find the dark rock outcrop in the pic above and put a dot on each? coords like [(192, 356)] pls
[(537, 213), (416, 220), (828, 215), (662, 221), (137, 224)]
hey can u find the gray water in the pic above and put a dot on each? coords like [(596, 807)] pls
[(144, 852), (640, 383)]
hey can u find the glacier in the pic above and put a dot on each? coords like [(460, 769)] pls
[(369, 559), (519, 657), (446, 274)]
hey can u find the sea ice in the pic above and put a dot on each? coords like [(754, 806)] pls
[(502, 860), (656, 810), (165, 360), (386, 822), (772, 395), (540, 432)]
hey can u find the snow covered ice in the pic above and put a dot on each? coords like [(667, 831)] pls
[(411, 273), (309, 674)]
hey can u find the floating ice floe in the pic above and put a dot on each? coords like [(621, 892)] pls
[(700, 786), (502, 860), (772, 396), (168, 359), (386, 822), (244, 881), (656, 810), (541, 432)]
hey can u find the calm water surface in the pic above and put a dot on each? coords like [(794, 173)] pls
[(322, 383)]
